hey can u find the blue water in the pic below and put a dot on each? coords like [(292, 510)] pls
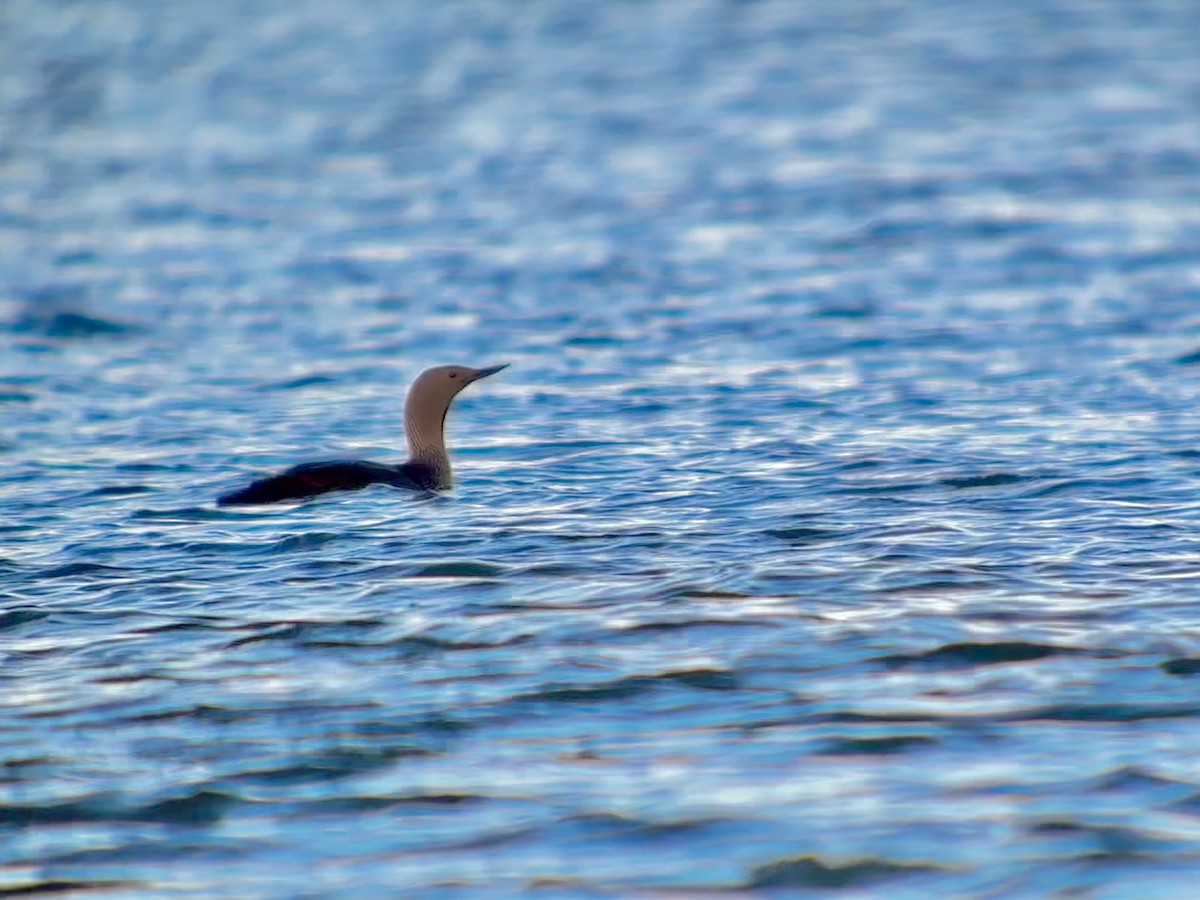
[(837, 525)]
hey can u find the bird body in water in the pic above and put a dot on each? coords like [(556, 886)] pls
[(428, 465)]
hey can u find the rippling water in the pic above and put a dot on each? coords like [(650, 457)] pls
[(836, 526)]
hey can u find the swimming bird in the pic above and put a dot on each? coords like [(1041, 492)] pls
[(428, 465)]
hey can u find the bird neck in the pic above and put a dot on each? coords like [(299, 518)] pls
[(425, 429)]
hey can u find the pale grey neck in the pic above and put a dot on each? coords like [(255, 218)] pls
[(424, 429)]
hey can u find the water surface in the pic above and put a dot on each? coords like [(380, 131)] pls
[(835, 526)]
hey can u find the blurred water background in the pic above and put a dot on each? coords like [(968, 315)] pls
[(836, 527)]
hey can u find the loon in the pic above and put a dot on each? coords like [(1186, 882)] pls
[(428, 466)]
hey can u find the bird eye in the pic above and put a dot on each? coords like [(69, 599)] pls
[(453, 374)]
